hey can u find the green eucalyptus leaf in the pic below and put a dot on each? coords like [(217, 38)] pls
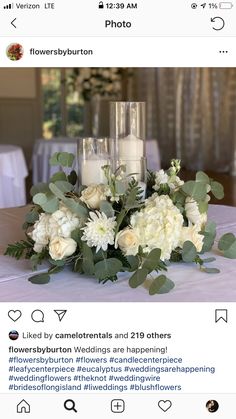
[(208, 260), (226, 241), (51, 205), (133, 262), (43, 278), (64, 186), (76, 207), (40, 199), (202, 177), (107, 268), (203, 207), (138, 278), (54, 159), (88, 263), (66, 159), (161, 285), (152, 260), (189, 252), (55, 269), (106, 207), (58, 176), (39, 188), (56, 262), (197, 190), (210, 270), (207, 242), (56, 191), (217, 190), (231, 251)]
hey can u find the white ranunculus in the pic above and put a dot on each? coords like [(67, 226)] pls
[(93, 195), (127, 241), (60, 248), (191, 234), (158, 225)]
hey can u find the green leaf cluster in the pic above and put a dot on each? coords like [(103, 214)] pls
[(209, 234), (23, 248), (62, 159), (159, 285), (227, 244)]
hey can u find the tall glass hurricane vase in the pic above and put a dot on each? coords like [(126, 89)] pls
[(128, 132)]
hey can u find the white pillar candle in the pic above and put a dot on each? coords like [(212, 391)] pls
[(130, 153), (130, 148), (91, 171)]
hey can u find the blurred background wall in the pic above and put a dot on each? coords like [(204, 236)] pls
[(191, 112)]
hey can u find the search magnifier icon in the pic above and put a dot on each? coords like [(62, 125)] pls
[(69, 404)]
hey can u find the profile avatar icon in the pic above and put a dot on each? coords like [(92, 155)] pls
[(15, 52), (212, 406), (13, 335)]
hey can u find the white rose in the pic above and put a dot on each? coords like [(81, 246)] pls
[(192, 234), (127, 241), (93, 195), (192, 211), (60, 248)]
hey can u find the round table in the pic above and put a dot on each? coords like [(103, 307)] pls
[(13, 171)]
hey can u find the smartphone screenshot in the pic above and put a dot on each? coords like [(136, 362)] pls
[(117, 209)]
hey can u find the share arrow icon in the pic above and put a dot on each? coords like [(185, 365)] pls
[(61, 314)]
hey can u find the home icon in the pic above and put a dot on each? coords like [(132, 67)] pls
[(23, 407)]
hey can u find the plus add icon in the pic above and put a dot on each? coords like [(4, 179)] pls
[(117, 406)]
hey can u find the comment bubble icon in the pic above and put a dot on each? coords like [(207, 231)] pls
[(37, 316)]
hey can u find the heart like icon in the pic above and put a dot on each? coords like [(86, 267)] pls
[(14, 315), (164, 405)]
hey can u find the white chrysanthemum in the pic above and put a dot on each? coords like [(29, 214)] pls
[(158, 225), (63, 222), (99, 231), (40, 233), (191, 234)]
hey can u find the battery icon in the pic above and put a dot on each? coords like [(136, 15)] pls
[(225, 5)]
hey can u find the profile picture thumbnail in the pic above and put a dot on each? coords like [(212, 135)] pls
[(212, 406), (13, 335), (15, 52)]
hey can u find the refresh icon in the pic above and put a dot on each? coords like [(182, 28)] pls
[(220, 23)]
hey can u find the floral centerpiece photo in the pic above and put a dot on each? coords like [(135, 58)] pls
[(117, 226)]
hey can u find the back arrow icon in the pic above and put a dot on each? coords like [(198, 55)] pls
[(12, 22), (214, 19)]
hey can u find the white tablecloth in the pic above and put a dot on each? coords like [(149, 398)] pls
[(44, 149), (13, 172), (191, 285)]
